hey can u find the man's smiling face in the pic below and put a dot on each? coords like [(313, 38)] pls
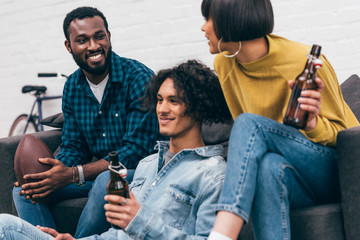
[(170, 110), (89, 43)]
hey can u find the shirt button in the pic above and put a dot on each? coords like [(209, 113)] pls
[(104, 135), (116, 115), (100, 112), (154, 183)]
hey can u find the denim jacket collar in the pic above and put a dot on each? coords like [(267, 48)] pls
[(205, 152)]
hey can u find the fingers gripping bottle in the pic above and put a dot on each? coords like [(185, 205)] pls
[(294, 115)]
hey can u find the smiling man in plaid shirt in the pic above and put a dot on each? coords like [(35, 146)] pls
[(102, 113)]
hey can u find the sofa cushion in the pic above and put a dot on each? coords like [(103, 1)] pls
[(55, 121), (217, 133), (323, 222)]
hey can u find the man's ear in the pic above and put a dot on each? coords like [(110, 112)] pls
[(67, 45), (109, 34)]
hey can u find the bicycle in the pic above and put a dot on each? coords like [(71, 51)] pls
[(30, 123)]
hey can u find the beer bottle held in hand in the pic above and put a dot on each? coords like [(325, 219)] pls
[(117, 184), (294, 115)]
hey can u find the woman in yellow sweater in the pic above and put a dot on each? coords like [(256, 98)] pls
[(272, 168)]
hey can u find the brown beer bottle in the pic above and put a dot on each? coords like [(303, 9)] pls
[(117, 184), (295, 116)]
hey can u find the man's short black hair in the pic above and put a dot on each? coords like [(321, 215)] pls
[(81, 13), (197, 86), (239, 20)]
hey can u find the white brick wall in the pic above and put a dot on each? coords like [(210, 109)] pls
[(158, 33)]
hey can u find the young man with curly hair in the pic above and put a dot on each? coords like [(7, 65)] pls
[(174, 192)]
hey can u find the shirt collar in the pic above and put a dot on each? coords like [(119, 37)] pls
[(206, 151), (116, 68)]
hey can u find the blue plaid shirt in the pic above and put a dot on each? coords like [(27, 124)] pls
[(117, 124)]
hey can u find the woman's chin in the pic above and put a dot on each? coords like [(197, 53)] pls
[(213, 51)]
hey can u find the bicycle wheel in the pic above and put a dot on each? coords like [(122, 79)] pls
[(18, 126)]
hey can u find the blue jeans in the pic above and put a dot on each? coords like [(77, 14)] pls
[(272, 168), (92, 219), (13, 228)]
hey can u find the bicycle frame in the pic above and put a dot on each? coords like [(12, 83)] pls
[(25, 121), (38, 101)]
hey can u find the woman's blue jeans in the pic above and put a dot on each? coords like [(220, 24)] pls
[(272, 168), (92, 220)]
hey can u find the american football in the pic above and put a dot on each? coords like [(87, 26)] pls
[(29, 150)]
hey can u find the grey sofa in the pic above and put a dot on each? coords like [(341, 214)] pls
[(331, 222)]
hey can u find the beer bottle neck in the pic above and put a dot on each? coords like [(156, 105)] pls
[(115, 164), (114, 159), (310, 64)]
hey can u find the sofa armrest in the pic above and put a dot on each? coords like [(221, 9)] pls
[(8, 147), (348, 149)]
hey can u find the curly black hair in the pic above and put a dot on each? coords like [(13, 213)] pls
[(81, 13), (197, 86)]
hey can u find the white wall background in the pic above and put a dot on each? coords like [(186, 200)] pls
[(158, 33)]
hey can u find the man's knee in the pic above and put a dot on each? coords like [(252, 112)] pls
[(102, 178), (17, 198), (8, 220), (16, 191), (100, 182)]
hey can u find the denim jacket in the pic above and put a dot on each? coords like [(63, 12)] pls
[(178, 200)]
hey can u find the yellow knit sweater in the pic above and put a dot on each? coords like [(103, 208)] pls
[(261, 87)]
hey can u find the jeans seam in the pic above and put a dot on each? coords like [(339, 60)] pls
[(284, 215), (251, 143)]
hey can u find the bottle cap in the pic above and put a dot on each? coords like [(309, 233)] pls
[(318, 63), (123, 172)]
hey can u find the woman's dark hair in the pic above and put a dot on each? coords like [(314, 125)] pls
[(239, 20), (81, 13), (197, 86)]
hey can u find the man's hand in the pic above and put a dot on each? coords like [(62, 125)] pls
[(120, 214), (55, 234), (310, 100), (57, 177)]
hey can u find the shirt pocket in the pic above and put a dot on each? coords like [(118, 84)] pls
[(178, 205), (136, 185)]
